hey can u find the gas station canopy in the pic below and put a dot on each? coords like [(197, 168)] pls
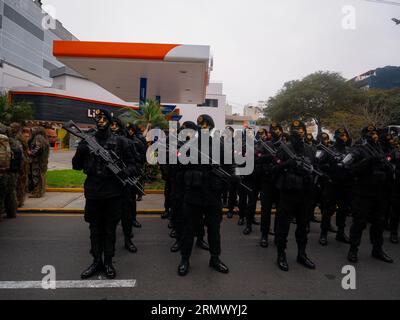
[(133, 71)]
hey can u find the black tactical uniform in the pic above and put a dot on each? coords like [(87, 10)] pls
[(177, 194), (255, 181), (270, 194), (139, 143), (336, 193), (366, 162), (103, 193), (203, 190), (230, 197), (295, 185), (395, 198), (128, 200)]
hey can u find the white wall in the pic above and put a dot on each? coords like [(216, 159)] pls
[(11, 77), (191, 112), (79, 87)]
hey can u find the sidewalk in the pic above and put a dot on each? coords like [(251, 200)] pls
[(73, 202)]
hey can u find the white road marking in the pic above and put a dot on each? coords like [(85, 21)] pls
[(81, 284)]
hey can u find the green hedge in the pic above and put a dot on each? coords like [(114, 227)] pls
[(75, 179)]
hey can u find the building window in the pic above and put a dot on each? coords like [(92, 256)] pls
[(211, 103)]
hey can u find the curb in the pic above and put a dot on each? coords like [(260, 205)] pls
[(70, 211), (80, 190)]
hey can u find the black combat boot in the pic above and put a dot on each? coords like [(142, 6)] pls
[(202, 244), (241, 222), (352, 256), (282, 261), (323, 238), (95, 267), (304, 260), (172, 234), (394, 238), (264, 241), (255, 221), (378, 253), (342, 237), (248, 228), (229, 215), (166, 215), (176, 246), (218, 265), (183, 267), (136, 224), (109, 269), (129, 245)]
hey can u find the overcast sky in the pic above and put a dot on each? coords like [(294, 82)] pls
[(257, 45)]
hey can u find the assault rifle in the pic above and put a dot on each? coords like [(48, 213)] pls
[(384, 160), (216, 169), (337, 156), (109, 157), (301, 161)]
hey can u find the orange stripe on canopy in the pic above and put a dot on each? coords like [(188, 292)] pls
[(117, 50)]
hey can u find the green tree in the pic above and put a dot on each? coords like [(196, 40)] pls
[(314, 98), (149, 116), (15, 111)]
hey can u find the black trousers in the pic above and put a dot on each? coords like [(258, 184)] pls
[(335, 198), (244, 197), (195, 216), (231, 195), (395, 213), (269, 196), (167, 194), (256, 185), (128, 213), (292, 205), (103, 216), (367, 209)]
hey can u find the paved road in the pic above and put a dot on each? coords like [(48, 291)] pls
[(61, 160), (29, 243)]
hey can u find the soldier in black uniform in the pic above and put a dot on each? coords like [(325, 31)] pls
[(103, 193), (270, 194), (295, 185), (177, 194), (133, 134), (256, 180), (370, 168), (336, 193), (395, 198), (129, 200), (203, 190), (387, 143), (231, 195)]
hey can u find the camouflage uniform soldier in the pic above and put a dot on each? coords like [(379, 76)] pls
[(11, 155), (39, 153), (22, 175)]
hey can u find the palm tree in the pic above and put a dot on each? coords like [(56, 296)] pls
[(148, 116), (14, 112)]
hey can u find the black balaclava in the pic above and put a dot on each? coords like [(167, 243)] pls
[(117, 127), (276, 131), (103, 122), (342, 139), (370, 134), (298, 132)]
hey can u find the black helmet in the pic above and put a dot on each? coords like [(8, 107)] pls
[(189, 125), (297, 124), (205, 122)]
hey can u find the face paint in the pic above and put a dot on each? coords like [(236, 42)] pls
[(114, 127), (101, 121), (344, 137), (277, 132)]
